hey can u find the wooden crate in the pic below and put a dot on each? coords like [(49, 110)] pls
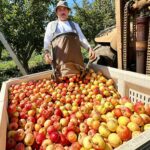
[(134, 85)]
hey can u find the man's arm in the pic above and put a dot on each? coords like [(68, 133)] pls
[(85, 44), (47, 39)]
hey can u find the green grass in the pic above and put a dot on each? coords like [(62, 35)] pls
[(6, 62)]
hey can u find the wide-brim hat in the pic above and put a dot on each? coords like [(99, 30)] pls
[(62, 4)]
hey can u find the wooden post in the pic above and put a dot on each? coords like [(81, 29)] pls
[(12, 54), (119, 21)]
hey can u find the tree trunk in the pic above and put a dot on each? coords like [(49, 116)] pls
[(26, 66), (0, 53)]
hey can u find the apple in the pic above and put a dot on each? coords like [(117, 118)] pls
[(124, 133), (47, 123), (108, 147), (41, 120), (145, 118), (83, 127), (133, 126), (129, 105), (104, 131), (72, 136), (54, 136), (63, 140), (75, 146), (139, 107), (87, 142), (126, 111), (40, 137), (108, 105), (114, 140), (50, 129), (112, 125), (123, 120), (117, 112), (22, 123), (10, 143), (137, 119), (92, 132), (50, 147), (20, 146), (37, 127), (95, 124), (81, 136), (58, 147), (19, 135), (147, 109), (11, 133), (58, 112), (101, 109), (98, 142), (124, 99), (13, 126), (29, 126), (46, 143), (29, 139), (146, 126)]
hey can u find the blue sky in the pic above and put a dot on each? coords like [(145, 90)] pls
[(71, 2)]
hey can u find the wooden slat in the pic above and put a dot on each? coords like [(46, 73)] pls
[(12, 54), (118, 13)]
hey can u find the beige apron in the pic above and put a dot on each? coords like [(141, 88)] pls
[(67, 56)]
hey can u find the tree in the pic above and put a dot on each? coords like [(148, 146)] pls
[(94, 17), (23, 23)]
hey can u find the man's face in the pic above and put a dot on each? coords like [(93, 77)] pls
[(62, 13)]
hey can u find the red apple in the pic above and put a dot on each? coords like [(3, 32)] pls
[(10, 143), (50, 129), (20, 146), (147, 109), (139, 107), (55, 137), (117, 112), (63, 140), (20, 134), (40, 138), (124, 133), (126, 111)]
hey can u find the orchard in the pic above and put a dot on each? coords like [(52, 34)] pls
[(74, 114)]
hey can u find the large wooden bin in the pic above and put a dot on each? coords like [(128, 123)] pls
[(134, 85)]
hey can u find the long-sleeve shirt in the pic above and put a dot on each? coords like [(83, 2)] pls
[(62, 27)]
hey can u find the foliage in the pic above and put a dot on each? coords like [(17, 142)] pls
[(23, 23), (94, 17)]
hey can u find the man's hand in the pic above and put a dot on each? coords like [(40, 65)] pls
[(47, 58), (91, 54)]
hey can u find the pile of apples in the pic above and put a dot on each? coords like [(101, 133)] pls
[(74, 114)]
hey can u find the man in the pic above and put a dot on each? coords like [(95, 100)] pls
[(62, 43)]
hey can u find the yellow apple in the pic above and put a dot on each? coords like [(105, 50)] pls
[(87, 142), (98, 142), (114, 140), (146, 126), (133, 126), (104, 131), (123, 120), (112, 125)]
